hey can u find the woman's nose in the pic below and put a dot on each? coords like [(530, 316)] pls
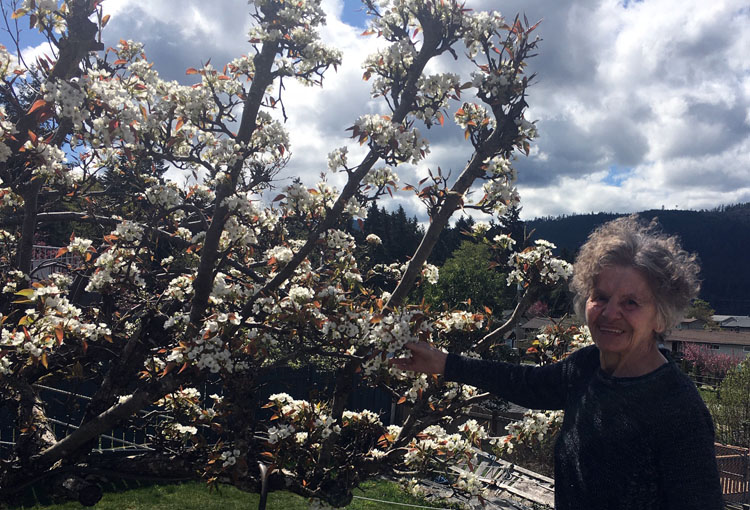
[(611, 310)]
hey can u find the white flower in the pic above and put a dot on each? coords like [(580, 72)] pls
[(481, 227), (373, 239), (430, 273)]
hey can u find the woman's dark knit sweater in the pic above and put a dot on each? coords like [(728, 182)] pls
[(637, 443)]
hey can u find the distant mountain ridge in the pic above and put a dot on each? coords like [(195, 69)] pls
[(720, 237)]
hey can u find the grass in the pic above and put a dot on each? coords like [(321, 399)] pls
[(129, 495)]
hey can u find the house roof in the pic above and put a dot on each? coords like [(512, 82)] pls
[(727, 319), (703, 336), (739, 321), (688, 320)]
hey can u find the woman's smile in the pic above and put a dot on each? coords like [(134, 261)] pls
[(623, 320)]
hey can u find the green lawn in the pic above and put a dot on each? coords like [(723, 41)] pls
[(196, 496)]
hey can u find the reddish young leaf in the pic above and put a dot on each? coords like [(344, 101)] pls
[(39, 103)]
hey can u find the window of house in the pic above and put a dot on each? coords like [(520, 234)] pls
[(714, 346), (746, 348)]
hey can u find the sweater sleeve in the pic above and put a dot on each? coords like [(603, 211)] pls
[(529, 386), (687, 463)]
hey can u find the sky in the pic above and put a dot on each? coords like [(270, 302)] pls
[(639, 104)]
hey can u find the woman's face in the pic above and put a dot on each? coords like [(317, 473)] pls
[(621, 312)]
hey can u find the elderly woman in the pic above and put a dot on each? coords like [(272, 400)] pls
[(636, 433)]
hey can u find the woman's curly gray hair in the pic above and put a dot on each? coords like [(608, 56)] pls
[(671, 272)]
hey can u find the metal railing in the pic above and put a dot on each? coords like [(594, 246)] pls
[(44, 261), (734, 472)]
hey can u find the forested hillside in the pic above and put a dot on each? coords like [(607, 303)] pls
[(721, 237)]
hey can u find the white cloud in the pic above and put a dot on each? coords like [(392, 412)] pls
[(639, 104)]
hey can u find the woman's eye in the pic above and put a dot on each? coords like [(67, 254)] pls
[(631, 303)]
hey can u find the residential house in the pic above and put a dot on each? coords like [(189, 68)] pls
[(736, 343), (733, 322)]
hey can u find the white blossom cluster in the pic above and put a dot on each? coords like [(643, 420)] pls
[(472, 116), (180, 288), (229, 457), (187, 402), (68, 100), (538, 262), (7, 128), (418, 386), (269, 137), (397, 15), (293, 28), (52, 320), (480, 227), (282, 254), (434, 440), (479, 27), (393, 271), (581, 339), (8, 198), (347, 330), (430, 273), (79, 245), (396, 141), (434, 92), (5, 366), (499, 190), (364, 416), (504, 241), (390, 334), (211, 353), (9, 66), (48, 13), (116, 265), (470, 483), (373, 239), (454, 391), (526, 129), (208, 351), (380, 177), (167, 195), (459, 320), (51, 164), (391, 64), (295, 416), (179, 431), (498, 85), (337, 158), (304, 201), (534, 426), (355, 209)]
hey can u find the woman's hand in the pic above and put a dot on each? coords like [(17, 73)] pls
[(424, 358)]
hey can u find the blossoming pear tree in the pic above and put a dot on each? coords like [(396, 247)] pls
[(175, 287)]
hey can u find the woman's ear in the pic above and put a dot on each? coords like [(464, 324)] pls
[(661, 326)]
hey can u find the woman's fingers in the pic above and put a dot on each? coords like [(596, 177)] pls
[(424, 358)]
